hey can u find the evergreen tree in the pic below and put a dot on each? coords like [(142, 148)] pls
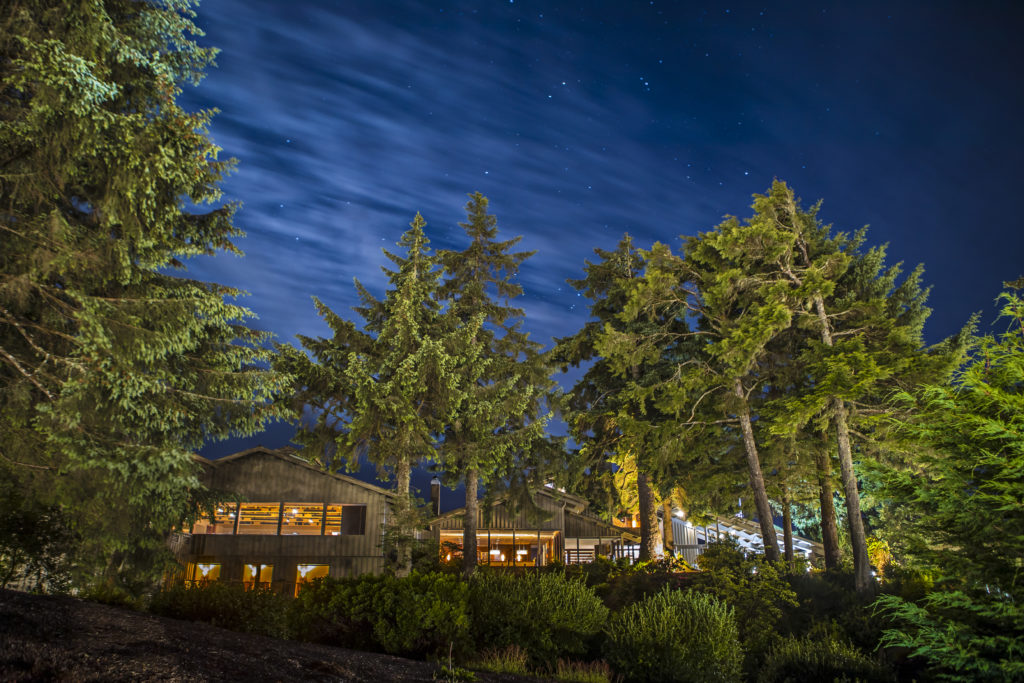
[(501, 416), (112, 370), (964, 522), (606, 409), (741, 306), (391, 389)]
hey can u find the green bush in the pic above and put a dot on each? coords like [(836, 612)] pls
[(418, 615), (229, 606), (755, 588), (675, 636), (633, 583), (547, 614), (793, 660)]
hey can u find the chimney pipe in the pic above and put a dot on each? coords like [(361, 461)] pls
[(435, 496)]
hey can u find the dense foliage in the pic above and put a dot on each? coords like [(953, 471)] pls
[(417, 615), (549, 615), (675, 636), (113, 370), (258, 611), (963, 517)]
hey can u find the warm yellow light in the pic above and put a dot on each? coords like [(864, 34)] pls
[(503, 557), (295, 511), (205, 568), (304, 569), (448, 558)]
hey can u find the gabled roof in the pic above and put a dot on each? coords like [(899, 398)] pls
[(289, 456)]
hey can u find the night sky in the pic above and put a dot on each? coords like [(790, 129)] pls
[(582, 121)]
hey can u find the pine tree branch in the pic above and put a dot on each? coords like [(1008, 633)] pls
[(30, 376), (28, 465)]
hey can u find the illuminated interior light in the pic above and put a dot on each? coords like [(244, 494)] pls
[(295, 511), (205, 568), (304, 569)]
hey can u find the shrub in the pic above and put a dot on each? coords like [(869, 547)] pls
[(756, 588), (633, 583), (418, 615), (675, 636), (547, 614), (792, 660), (253, 611)]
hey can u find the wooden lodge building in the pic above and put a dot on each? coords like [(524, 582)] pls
[(295, 523), (507, 538)]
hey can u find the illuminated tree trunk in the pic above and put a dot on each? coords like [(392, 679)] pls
[(858, 539), (787, 527), (829, 530), (764, 510), (469, 526), (648, 518)]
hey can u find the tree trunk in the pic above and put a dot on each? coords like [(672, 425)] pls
[(403, 471), (764, 510), (667, 536), (648, 518), (469, 522), (829, 529), (787, 528), (858, 539), (861, 566)]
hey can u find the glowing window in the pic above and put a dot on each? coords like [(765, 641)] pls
[(345, 520), (306, 573), (258, 518), (304, 519), (206, 571), (257, 574), (222, 522)]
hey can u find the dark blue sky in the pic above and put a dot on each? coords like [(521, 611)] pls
[(581, 121)]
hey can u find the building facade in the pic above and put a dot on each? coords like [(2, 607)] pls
[(565, 532), (282, 522)]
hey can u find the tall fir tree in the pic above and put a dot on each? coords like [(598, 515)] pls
[(391, 389), (113, 370), (963, 523), (501, 417), (606, 410)]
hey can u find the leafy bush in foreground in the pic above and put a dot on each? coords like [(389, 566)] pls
[(547, 614), (675, 636), (418, 615), (228, 606), (792, 660)]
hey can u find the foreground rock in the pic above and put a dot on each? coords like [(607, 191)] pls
[(61, 638)]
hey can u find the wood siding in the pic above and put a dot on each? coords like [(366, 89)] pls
[(263, 476)]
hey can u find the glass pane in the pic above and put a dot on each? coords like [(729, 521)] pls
[(333, 527), (258, 574), (258, 518), (304, 519), (353, 521), (206, 572), (223, 521), (305, 573)]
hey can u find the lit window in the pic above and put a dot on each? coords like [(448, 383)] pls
[(304, 519), (257, 574), (345, 520), (222, 522), (204, 572), (306, 573), (258, 518)]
